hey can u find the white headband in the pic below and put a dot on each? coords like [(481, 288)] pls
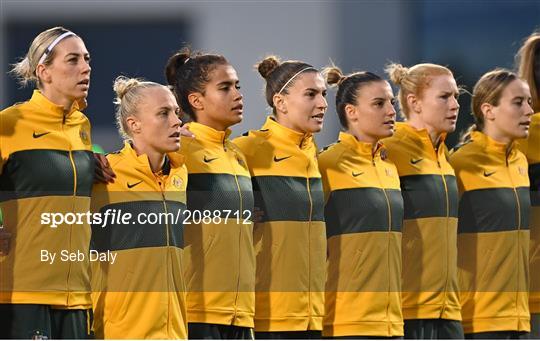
[(293, 77), (53, 44)]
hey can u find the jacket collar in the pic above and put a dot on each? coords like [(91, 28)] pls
[(362, 148), (492, 146), (141, 162), (302, 140), (207, 133), (54, 109), (421, 134)]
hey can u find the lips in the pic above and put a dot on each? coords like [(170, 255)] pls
[(84, 82), (239, 107)]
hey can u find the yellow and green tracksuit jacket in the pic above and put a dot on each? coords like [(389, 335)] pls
[(220, 264), (364, 213), (46, 166), (493, 240), (141, 295), (531, 148), (290, 240), (430, 197)]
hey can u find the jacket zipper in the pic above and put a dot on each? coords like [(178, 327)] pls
[(240, 216), (388, 243), (167, 233), (73, 206), (518, 206), (437, 151), (309, 232)]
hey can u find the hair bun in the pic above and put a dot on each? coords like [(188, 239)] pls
[(174, 63), (122, 85), (268, 65), (396, 72), (333, 75)]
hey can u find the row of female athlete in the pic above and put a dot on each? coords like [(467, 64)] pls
[(383, 234)]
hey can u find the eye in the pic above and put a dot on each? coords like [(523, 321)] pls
[(237, 86), (324, 93), (393, 101), (310, 94)]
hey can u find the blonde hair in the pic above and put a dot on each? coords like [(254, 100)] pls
[(525, 58), (488, 89), (128, 94), (413, 80), (25, 69)]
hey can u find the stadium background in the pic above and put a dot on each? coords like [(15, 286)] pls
[(135, 38)]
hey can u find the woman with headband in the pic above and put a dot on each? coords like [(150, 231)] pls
[(529, 70), (428, 99), (220, 262), (140, 294), (494, 207), (363, 212), (290, 238), (41, 294)]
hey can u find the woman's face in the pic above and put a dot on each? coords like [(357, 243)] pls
[(304, 105), (67, 78), (222, 104), (511, 118), (157, 122), (438, 105), (373, 117)]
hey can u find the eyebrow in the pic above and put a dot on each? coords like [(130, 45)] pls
[(228, 82), (76, 54), (316, 90)]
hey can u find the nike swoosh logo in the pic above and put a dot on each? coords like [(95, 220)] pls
[(209, 160), (39, 135), (276, 159), (357, 174), (487, 174), (133, 185), (414, 162)]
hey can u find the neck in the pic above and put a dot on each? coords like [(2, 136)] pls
[(58, 99), (497, 135), (362, 137), (281, 119), (418, 124), (154, 157), (219, 126)]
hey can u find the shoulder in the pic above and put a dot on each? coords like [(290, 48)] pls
[(330, 154), (250, 141)]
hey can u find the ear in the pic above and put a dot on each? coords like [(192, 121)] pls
[(414, 103), (196, 100), (488, 112), (133, 125), (351, 113), (280, 103), (42, 73)]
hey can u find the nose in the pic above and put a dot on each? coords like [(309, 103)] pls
[(391, 110), (239, 95), (528, 109), (322, 104), (454, 104), (176, 121)]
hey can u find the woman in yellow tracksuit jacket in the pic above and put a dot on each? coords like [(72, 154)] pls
[(46, 167), (138, 287), (290, 239), (494, 207), (428, 99), (220, 264), (363, 213), (529, 62)]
